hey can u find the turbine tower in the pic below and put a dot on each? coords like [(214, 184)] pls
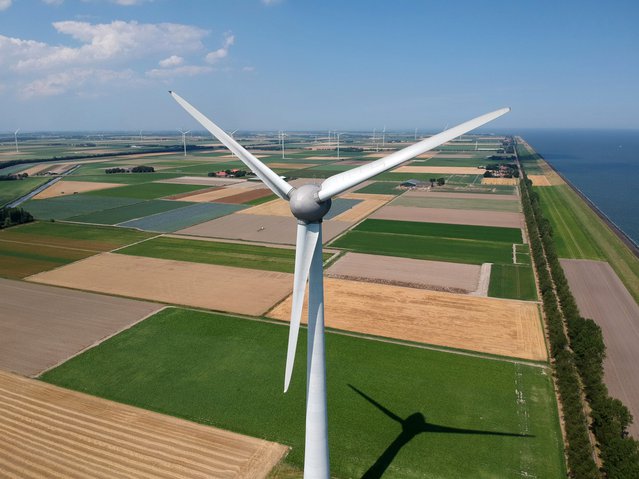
[(309, 204), (338, 135), (15, 135), (384, 137), (184, 139)]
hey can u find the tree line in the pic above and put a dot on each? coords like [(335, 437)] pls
[(13, 216), (578, 360)]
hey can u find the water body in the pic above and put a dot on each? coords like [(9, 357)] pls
[(603, 164)]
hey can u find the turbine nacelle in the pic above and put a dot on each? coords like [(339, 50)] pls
[(306, 205)]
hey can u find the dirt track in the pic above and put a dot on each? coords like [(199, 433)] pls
[(436, 275), (509, 328), (446, 215), (50, 432), (601, 296), (222, 288), (40, 326)]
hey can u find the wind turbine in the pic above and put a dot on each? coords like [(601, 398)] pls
[(309, 204), (184, 139), (282, 135), (15, 135), (338, 135), (384, 137)]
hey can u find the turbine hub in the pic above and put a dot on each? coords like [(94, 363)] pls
[(306, 206)]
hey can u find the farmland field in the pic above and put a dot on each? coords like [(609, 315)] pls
[(12, 190), (63, 207), (481, 233), (382, 188), (580, 234), (125, 213), (146, 191), (37, 247), (512, 281), (458, 203), (173, 220), (226, 254), (126, 178), (228, 372)]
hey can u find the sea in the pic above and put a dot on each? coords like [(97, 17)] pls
[(603, 164)]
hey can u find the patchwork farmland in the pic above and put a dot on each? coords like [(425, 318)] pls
[(412, 281)]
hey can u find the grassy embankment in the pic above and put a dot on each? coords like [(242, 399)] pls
[(462, 416), (12, 190)]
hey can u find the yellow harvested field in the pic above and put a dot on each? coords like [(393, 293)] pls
[(444, 170), (367, 196), (37, 169), (216, 194), (48, 431), (292, 166), (495, 326), (63, 188), (276, 207), (499, 181), (207, 286), (539, 180)]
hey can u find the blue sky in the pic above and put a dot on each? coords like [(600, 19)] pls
[(301, 64)]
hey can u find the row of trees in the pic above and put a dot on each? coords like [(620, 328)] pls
[(579, 450), (14, 216), (17, 176), (580, 355)]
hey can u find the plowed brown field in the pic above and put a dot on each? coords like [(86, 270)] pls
[(210, 286), (50, 432), (503, 327)]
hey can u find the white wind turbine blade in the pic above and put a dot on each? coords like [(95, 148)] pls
[(341, 182), (271, 179), (307, 235)]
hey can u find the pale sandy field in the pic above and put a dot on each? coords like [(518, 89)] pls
[(48, 431), (368, 205), (435, 275), (503, 327), (63, 188), (504, 219), (41, 326), (602, 296), (198, 285), (539, 180)]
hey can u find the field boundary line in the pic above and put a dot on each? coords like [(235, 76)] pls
[(133, 244), (101, 340)]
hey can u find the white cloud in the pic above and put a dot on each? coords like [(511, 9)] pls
[(57, 83), (185, 70), (4, 4), (220, 53), (115, 41), (172, 61)]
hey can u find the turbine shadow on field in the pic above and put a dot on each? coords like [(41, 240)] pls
[(413, 425)]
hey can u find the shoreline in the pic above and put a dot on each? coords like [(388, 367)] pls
[(625, 239)]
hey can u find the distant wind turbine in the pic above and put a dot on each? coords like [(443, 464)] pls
[(184, 139), (384, 137), (338, 135), (282, 135), (309, 204), (15, 135)]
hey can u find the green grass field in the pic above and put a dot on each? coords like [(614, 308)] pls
[(512, 281), (126, 213), (418, 228), (145, 191), (226, 254), (12, 190), (461, 416), (450, 161), (434, 201), (433, 241), (125, 178), (63, 207), (35, 247), (382, 188), (579, 233)]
